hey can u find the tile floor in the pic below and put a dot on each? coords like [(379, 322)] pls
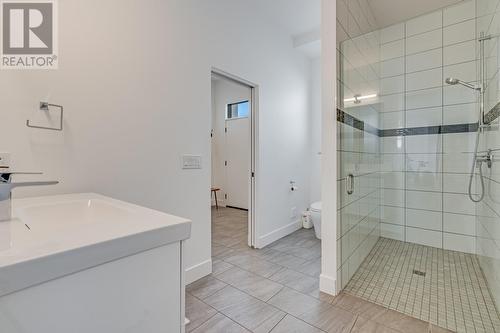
[(452, 294), (276, 289)]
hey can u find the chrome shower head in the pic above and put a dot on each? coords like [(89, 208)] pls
[(452, 81)]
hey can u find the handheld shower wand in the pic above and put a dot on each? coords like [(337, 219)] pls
[(476, 161), (453, 81)]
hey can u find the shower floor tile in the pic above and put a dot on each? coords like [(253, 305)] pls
[(445, 288)]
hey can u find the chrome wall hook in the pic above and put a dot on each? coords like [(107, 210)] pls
[(45, 106)]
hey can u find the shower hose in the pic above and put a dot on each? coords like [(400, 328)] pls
[(481, 194)]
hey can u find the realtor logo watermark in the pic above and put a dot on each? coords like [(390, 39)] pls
[(29, 34)]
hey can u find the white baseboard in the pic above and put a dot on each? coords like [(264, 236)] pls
[(265, 240), (198, 271), (328, 285)]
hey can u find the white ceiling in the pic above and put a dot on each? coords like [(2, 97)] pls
[(388, 12), (294, 16), (301, 19), (301, 16)]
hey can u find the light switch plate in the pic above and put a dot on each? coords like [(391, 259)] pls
[(5, 160), (190, 162)]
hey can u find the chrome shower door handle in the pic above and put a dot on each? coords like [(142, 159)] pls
[(349, 184)]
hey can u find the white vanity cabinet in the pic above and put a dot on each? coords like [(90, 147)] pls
[(109, 267)]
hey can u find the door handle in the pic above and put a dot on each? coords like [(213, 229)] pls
[(349, 184)]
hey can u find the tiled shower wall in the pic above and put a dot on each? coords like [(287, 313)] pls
[(358, 150), (488, 211), (424, 177)]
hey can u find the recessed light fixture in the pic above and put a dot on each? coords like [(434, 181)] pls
[(358, 98)]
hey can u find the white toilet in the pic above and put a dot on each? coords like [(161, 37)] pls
[(316, 218)]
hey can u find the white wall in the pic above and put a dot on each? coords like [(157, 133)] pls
[(329, 250), (316, 131), (134, 79), (227, 92)]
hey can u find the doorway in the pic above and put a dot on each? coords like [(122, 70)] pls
[(232, 159)]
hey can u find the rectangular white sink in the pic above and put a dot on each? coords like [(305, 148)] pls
[(54, 236), (61, 217)]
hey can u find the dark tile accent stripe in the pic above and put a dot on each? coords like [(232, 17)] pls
[(492, 115), (349, 120), (459, 128), (427, 130)]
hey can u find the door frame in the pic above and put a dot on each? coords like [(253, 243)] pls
[(254, 151)]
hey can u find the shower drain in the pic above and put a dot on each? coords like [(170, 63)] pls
[(419, 273)]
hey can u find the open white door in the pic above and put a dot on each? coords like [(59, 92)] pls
[(238, 162), (234, 119)]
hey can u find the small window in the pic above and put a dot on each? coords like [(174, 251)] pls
[(238, 110)]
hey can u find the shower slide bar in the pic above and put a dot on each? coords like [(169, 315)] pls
[(486, 118)]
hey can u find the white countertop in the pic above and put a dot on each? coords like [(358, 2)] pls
[(53, 236)]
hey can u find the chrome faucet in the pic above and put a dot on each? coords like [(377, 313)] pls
[(6, 186), (485, 158)]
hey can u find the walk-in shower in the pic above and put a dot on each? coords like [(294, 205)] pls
[(420, 231)]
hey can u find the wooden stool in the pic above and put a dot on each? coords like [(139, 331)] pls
[(214, 190)]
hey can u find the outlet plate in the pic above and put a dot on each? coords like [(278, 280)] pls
[(293, 213), (4, 160)]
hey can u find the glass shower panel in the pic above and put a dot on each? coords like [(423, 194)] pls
[(358, 152), (488, 210)]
